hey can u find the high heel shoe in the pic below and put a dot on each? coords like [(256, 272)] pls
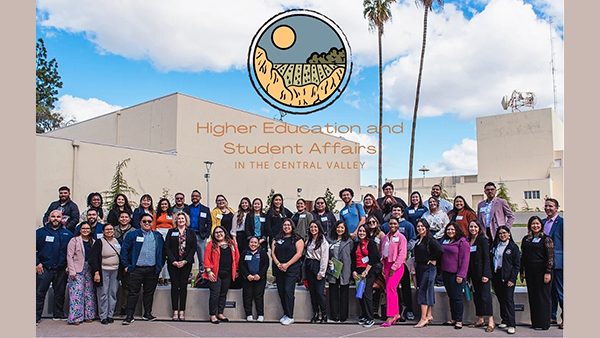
[(390, 323), (421, 324), (175, 315), (182, 316)]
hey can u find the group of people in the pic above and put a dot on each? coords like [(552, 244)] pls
[(379, 245)]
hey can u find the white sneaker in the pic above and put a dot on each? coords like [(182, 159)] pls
[(502, 326), (249, 318), (283, 318), (512, 330), (288, 321), (260, 319)]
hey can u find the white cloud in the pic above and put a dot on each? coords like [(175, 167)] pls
[(460, 160), (82, 109)]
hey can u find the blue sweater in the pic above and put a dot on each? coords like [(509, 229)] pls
[(51, 246), (130, 250)]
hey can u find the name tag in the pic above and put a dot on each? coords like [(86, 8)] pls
[(248, 257), (324, 219), (202, 215), (395, 239), (345, 212), (482, 212), (219, 216), (411, 211), (262, 220), (169, 217), (536, 240), (458, 218), (473, 248), (99, 236), (118, 246), (402, 230), (302, 216), (365, 259), (446, 241), (280, 241), (50, 239), (139, 239), (377, 240), (175, 233)]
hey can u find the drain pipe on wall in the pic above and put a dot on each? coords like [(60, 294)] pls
[(75, 145)]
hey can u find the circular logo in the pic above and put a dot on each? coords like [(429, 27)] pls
[(299, 61)]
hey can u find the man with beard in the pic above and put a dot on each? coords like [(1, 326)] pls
[(68, 209), (444, 205), (352, 214)]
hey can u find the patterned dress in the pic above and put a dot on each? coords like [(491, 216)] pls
[(82, 299)]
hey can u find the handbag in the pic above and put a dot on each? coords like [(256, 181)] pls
[(468, 292)]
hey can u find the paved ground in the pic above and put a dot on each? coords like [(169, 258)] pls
[(50, 328)]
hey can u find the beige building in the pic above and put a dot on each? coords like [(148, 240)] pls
[(169, 139), (524, 150)]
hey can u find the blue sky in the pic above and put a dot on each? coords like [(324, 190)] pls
[(113, 54)]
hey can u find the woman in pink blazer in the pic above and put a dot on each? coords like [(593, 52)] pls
[(393, 256), (82, 301)]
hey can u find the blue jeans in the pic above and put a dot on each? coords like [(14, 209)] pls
[(200, 249), (455, 293), (557, 293), (58, 278)]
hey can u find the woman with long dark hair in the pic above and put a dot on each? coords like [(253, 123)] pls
[(322, 213), (480, 275), (506, 261), (120, 203), (256, 224), (254, 264), (162, 222), (376, 235), (372, 207), (276, 214), (537, 265), (415, 209), (146, 207), (286, 251), (315, 267), (364, 257), (427, 252), (180, 248), (302, 219), (82, 299), (462, 213), (220, 268), (455, 264), (339, 288), (238, 228)]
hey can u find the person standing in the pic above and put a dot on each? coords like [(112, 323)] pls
[(506, 261), (51, 262), (480, 275), (68, 209), (200, 223), (537, 265), (256, 224), (92, 221), (462, 214), (163, 221), (416, 209), (315, 266), (222, 214), (339, 288), (105, 261), (322, 213), (220, 268), (146, 207), (180, 247), (82, 300), (275, 216), (286, 251), (436, 218), (494, 211), (352, 213), (120, 203), (121, 232), (455, 264), (302, 219), (364, 256), (179, 203), (142, 259), (238, 229), (389, 199), (94, 201), (553, 227), (254, 263), (436, 192), (372, 207), (393, 256)]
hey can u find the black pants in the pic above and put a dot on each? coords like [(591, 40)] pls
[(241, 240), (540, 297), (405, 296), (506, 299), (455, 293), (179, 279), (58, 278), (366, 302), (254, 291), (286, 287), (146, 276), (123, 292), (315, 287), (218, 293), (482, 297), (339, 299)]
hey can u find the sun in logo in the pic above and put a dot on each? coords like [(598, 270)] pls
[(299, 61)]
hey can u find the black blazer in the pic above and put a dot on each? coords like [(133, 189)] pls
[(171, 246), (372, 252), (265, 230), (263, 267), (479, 262), (511, 262)]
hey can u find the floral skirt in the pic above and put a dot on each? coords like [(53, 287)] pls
[(82, 301)]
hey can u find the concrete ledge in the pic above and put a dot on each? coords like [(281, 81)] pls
[(197, 305)]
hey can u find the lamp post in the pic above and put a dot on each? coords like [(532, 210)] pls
[(424, 170), (208, 164)]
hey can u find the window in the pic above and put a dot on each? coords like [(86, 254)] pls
[(532, 195)]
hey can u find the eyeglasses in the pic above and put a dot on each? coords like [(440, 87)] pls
[(492, 189), (147, 222), (178, 198)]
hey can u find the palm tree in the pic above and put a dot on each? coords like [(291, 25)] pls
[(378, 12), (427, 5)]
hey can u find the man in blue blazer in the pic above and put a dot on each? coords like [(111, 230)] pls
[(553, 227)]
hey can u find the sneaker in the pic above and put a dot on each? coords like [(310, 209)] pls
[(149, 318), (283, 318), (369, 323), (59, 318), (410, 316), (37, 322), (502, 326), (288, 321), (104, 322), (110, 320), (260, 319), (512, 330), (249, 318), (273, 285), (361, 321), (128, 321)]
